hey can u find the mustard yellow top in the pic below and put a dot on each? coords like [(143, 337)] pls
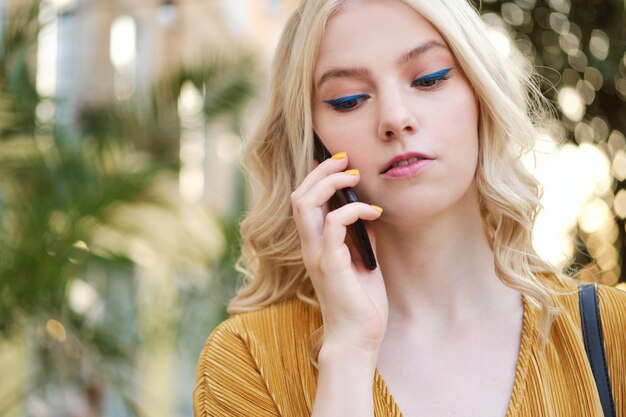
[(257, 364)]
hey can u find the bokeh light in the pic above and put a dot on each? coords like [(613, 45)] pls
[(571, 176), (571, 103)]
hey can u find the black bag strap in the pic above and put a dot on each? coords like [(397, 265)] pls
[(594, 344)]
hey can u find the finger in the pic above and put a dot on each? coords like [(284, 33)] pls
[(310, 209), (324, 189), (319, 194), (323, 169), (335, 228)]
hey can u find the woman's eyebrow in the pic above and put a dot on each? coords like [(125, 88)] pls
[(419, 50), (342, 73), (363, 72)]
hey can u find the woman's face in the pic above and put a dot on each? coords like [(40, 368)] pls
[(385, 86)]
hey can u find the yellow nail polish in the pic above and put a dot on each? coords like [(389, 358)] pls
[(377, 208), (352, 171), (340, 155)]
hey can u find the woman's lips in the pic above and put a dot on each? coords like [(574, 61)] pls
[(409, 170), (406, 165)]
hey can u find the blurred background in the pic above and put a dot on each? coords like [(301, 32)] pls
[(121, 123)]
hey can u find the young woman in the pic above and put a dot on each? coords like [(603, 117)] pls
[(425, 119)]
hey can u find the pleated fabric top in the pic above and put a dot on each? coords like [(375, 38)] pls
[(257, 364)]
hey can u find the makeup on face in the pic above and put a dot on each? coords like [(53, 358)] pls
[(413, 54), (405, 113), (427, 82)]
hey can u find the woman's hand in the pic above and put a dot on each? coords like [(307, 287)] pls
[(352, 298)]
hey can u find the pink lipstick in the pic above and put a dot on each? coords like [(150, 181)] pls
[(406, 165)]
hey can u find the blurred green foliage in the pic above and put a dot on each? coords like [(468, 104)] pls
[(63, 186)]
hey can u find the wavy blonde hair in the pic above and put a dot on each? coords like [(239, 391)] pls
[(278, 157)]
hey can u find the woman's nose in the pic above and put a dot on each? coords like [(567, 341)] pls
[(396, 116)]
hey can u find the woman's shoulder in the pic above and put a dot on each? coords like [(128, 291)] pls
[(267, 329), (611, 300), (255, 360), (288, 316), (611, 306)]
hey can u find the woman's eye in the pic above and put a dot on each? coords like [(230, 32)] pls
[(347, 103), (431, 80)]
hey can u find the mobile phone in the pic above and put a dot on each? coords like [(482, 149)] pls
[(357, 231)]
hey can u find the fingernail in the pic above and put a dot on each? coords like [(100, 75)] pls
[(377, 208), (352, 171), (340, 155)]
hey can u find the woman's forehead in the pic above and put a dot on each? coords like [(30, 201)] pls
[(387, 28)]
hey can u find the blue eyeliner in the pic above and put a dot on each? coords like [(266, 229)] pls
[(338, 102), (434, 76), (348, 103)]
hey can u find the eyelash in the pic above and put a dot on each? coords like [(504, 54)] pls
[(435, 76), (355, 100)]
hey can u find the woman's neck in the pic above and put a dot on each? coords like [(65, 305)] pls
[(441, 270)]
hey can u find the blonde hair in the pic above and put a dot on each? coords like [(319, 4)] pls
[(277, 158)]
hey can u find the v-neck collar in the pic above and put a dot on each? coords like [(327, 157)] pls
[(521, 369)]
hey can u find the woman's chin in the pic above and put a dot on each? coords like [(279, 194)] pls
[(416, 211)]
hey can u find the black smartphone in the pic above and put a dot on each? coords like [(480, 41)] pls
[(356, 230)]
